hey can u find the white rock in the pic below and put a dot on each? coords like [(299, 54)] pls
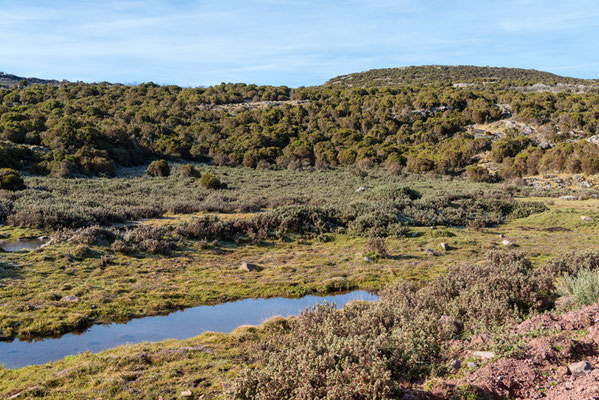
[(580, 368), (248, 267), (485, 355)]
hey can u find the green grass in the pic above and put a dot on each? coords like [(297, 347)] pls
[(203, 364), (143, 284)]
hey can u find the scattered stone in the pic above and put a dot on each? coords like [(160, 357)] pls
[(455, 364), (593, 334), (70, 299), (485, 355), (568, 197), (562, 370), (361, 189), (430, 252), (471, 364), (587, 219), (507, 242), (432, 227), (445, 246), (564, 302), (580, 182), (368, 259), (479, 339), (248, 267), (580, 368), (501, 236), (186, 393)]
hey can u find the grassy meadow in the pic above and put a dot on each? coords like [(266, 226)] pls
[(113, 283)]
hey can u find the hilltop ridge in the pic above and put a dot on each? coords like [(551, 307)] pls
[(9, 81), (448, 74)]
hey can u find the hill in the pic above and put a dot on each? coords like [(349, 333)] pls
[(449, 74), (530, 123), (10, 81)]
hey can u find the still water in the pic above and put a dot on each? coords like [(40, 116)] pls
[(22, 244), (178, 325)]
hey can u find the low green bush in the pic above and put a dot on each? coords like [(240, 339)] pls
[(11, 180), (209, 181), (159, 168), (582, 287), (189, 171)]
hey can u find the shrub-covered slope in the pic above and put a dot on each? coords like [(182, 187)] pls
[(423, 126), (449, 74)]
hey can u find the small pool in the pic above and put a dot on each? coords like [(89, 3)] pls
[(23, 244), (178, 325)]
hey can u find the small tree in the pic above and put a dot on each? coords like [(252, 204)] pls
[(189, 171), (159, 168), (11, 180), (210, 181)]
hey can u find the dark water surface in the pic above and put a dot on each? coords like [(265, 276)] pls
[(178, 325), (23, 244)]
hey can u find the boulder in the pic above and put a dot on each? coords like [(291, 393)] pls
[(70, 299), (368, 259), (593, 333), (507, 242), (249, 267), (587, 219), (580, 368), (361, 189), (471, 364), (455, 364), (186, 393), (430, 252), (445, 246)]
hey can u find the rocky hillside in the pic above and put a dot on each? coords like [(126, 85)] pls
[(555, 357), (458, 75)]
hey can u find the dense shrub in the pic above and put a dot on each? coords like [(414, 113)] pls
[(369, 350), (159, 168), (189, 171), (210, 181), (394, 192), (11, 179), (477, 173)]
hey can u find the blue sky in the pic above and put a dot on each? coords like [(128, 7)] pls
[(296, 42)]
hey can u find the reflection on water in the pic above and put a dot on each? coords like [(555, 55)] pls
[(23, 244), (178, 325)]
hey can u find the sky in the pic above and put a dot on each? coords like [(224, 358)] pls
[(293, 43)]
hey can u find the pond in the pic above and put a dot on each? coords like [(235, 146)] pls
[(23, 244), (178, 325)]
